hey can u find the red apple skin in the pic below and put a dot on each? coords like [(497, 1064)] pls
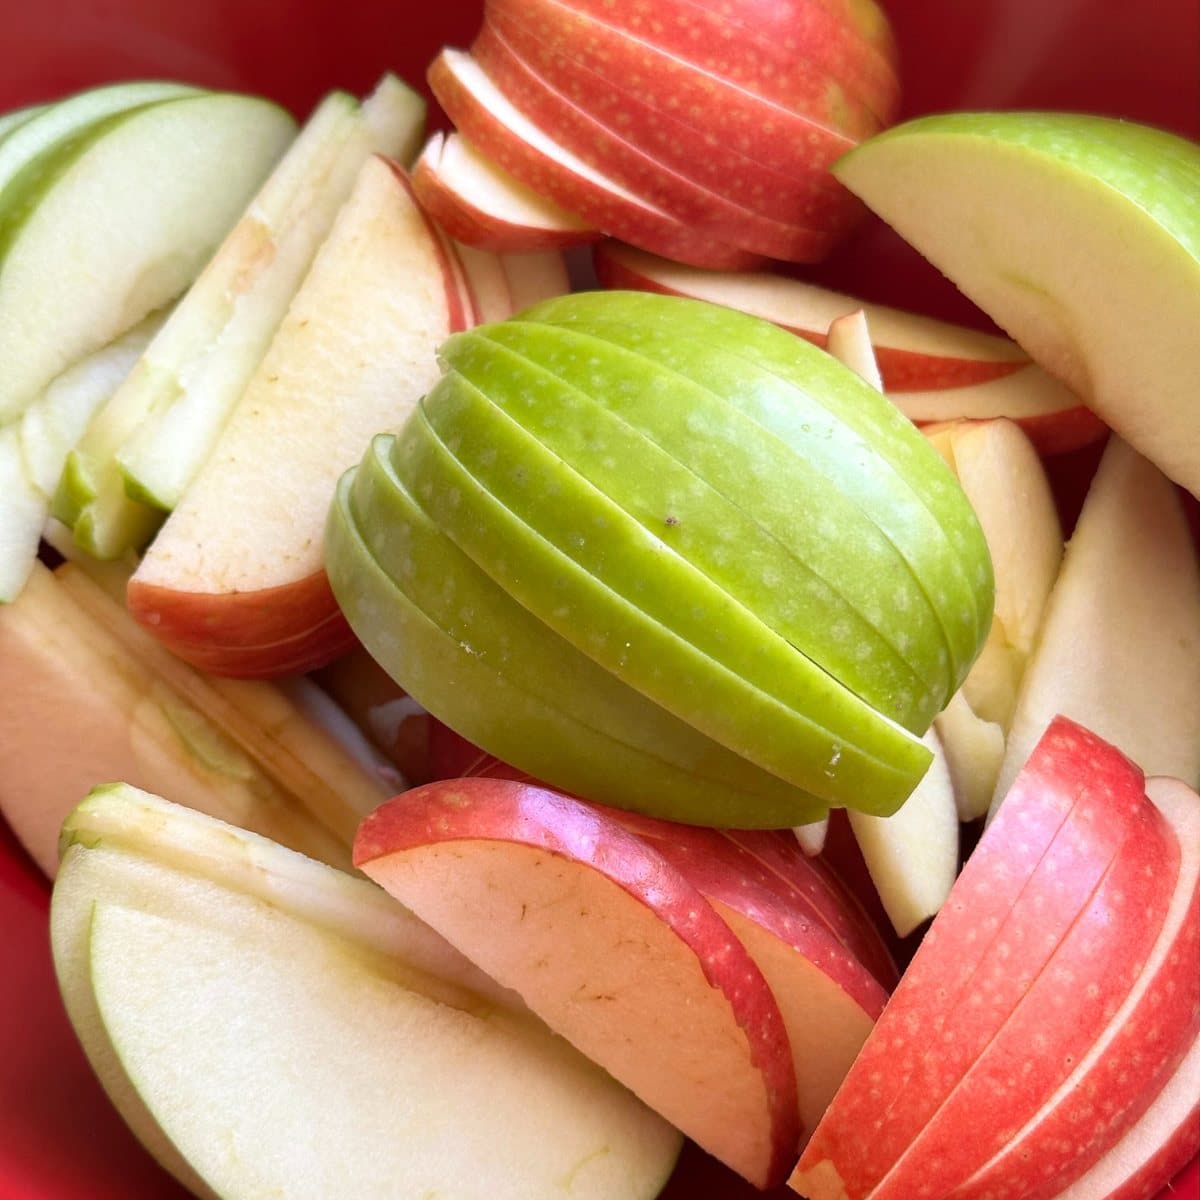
[(772, 135), (526, 816), (791, 64), (263, 634), (465, 221), (1032, 874), (630, 166), (607, 211), (809, 195)]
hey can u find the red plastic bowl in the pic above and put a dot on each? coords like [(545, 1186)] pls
[(59, 1140)]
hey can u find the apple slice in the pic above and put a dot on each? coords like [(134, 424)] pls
[(609, 944), (229, 992), (18, 116), (79, 687), (849, 341), (480, 205), (974, 749), (1122, 624), (65, 293), (1072, 808), (1075, 234), (353, 355), (507, 138), (535, 277)]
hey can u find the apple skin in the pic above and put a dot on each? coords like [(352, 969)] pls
[(1069, 812), (506, 138), (793, 54), (626, 163), (481, 830), (479, 205), (1050, 223)]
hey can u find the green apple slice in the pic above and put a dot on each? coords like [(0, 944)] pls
[(98, 234), (465, 649), (230, 992), (34, 449), (13, 120), (194, 374), (1080, 236), (829, 418), (702, 495), (601, 581)]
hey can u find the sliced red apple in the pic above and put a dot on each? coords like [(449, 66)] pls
[(1121, 625), (1072, 808), (353, 355), (512, 142), (609, 944), (480, 205), (535, 277), (849, 341)]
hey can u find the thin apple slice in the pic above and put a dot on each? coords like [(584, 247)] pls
[(79, 687), (1033, 218), (849, 341), (353, 355), (535, 277), (478, 204), (1122, 623), (613, 948), (65, 293), (486, 281), (974, 753), (18, 116), (229, 992), (1072, 808), (507, 138)]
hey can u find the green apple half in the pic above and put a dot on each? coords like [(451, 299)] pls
[(646, 444), (1080, 236), (234, 997)]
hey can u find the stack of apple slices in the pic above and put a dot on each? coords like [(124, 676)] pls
[(230, 993), (679, 127), (94, 162)]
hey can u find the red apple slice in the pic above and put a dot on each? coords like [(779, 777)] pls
[(1070, 810), (807, 45), (486, 282), (1107, 1096), (353, 355), (609, 944), (1121, 625), (622, 160), (808, 194), (535, 277), (849, 341), (480, 205), (502, 133)]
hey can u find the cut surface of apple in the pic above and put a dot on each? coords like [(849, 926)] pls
[(353, 355), (229, 992), (609, 944), (66, 292), (1079, 236), (480, 205), (1121, 624), (196, 371)]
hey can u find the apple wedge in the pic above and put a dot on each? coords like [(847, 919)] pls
[(78, 686), (353, 355), (229, 992), (535, 277), (64, 292), (480, 205), (609, 944), (1122, 623), (1078, 235)]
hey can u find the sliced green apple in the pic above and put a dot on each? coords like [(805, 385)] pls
[(458, 640), (600, 580), (97, 235), (229, 992), (1079, 235)]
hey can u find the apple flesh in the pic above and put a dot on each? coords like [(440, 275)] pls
[(1077, 235), (229, 992), (609, 944), (353, 355)]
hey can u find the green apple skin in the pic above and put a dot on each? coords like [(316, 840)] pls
[(819, 416), (600, 580), (699, 519), (1079, 235), (462, 646)]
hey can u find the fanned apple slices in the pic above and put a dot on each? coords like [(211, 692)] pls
[(232, 995)]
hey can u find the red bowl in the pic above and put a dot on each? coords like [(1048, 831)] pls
[(59, 1140)]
